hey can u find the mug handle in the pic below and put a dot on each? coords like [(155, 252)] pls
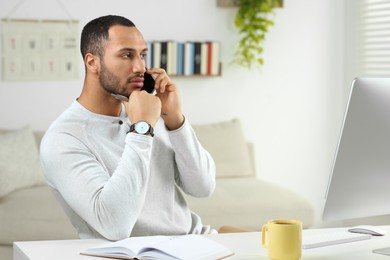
[(263, 231)]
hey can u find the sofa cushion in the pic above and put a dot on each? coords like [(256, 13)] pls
[(249, 203), (6, 252), (19, 160), (33, 214), (226, 143)]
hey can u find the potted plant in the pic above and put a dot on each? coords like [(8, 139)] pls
[(253, 20)]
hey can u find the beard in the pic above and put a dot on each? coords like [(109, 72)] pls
[(111, 83)]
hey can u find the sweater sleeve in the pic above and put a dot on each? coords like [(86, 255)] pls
[(196, 167), (109, 204)]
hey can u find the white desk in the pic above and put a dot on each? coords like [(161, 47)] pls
[(246, 246)]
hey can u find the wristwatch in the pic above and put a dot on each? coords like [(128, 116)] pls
[(142, 127)]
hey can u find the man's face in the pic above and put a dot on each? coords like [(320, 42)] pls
[(123, 64)]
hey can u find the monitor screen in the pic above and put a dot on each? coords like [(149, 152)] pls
[(359, 184)]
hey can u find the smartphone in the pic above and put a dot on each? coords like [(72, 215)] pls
[(148, 83)]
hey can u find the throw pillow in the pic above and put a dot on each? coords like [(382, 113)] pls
[(19, 160), (226, 143)]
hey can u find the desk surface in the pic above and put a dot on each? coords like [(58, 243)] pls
[(245, 245)]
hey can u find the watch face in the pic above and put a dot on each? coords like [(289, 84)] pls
[(141, 127)]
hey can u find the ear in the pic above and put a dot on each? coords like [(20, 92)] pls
[(92, 63)]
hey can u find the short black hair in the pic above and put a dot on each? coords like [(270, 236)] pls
[(96, 32)]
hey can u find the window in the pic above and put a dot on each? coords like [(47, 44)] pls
[(367, 38)]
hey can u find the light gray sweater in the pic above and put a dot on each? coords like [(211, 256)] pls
[(115, 184)]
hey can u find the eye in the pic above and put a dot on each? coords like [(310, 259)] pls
[(144, 55), (127, 55)]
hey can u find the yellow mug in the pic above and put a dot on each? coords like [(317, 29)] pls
[(283, 239)]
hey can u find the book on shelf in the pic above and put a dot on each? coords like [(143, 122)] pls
[(197, 57), (164, 56), (149, 57), (172, 58), (180, 58), (156, 55), (189, 54), (162, 247), (204, 56), (213, 58)]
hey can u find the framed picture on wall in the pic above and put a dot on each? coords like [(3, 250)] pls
[(39, 50)]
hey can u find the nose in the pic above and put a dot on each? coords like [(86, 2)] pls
[(139, 65)]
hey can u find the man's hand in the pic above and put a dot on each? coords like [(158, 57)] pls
[(143, 106), (170, 99)]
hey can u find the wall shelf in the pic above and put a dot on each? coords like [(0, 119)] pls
[(199, 75), (235, 3)]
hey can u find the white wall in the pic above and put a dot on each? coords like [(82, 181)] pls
[(291, 109)]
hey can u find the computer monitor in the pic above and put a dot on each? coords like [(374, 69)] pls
[(359, 184)]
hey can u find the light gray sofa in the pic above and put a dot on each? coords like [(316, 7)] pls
[(28, 210)]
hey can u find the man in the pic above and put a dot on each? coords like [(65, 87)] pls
[(117, 167)]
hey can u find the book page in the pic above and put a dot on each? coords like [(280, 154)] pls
[(189, 247), (129, 247)]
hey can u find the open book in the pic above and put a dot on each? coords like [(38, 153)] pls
[(186, 247)]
